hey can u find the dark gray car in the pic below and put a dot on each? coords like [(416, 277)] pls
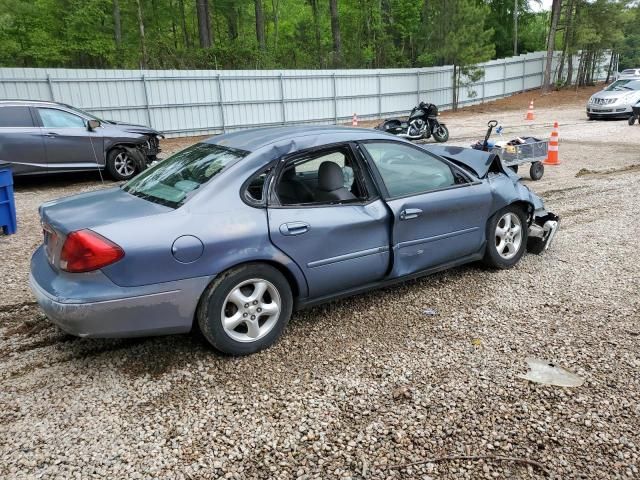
[(47, 137)]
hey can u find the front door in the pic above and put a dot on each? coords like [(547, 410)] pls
[(68, 143), (439, 212), (324, 214)]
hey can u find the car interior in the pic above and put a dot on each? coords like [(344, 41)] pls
[(331, 177)]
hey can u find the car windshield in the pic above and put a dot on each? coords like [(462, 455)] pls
[(173, 180), (621, 85)]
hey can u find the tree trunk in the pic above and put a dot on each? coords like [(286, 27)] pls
[(117, 23), (183, 24), (567, 39), (260, 25), (555, 14), (204, 23), (275, 4), (335, 30), (610, 69), (143, 44), (316, 27)]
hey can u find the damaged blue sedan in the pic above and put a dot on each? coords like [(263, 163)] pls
[(234, 233)]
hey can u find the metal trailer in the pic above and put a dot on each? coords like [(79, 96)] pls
[(515, 155)]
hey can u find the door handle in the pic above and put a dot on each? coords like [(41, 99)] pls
[(409, 213), (294, 228), (51, 134)]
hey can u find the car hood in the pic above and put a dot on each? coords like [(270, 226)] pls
[(615, 93), (89, 210), (129, 127), (478, 161)]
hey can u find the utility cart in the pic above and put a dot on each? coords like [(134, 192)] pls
[(514, 154)]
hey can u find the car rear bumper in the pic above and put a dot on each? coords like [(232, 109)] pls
[(90, 305)]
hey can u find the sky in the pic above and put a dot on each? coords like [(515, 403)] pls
[(540, 6)]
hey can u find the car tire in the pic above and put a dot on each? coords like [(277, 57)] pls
[(632, 120), (120, 165), (590, 117), (505, 246), (536, 171), (232, 314)]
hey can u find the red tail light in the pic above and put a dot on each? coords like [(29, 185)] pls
[(84, 251)]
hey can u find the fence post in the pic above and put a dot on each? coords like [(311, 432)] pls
[(524, 70), (335, 99), (53, 97), (484, 80), (282, 109), (146, 100), (221, 104), (379, 87), (418, 87), (504, 78)]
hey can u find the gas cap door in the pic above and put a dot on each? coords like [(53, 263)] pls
[(187, 249)]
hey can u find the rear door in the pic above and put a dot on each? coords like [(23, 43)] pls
[(439, 212), (69, 145), (338, 244), (21, 143)]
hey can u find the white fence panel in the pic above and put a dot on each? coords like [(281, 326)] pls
[(199, 102)]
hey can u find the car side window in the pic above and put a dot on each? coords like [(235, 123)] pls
[(54, 118), (15, 117), (406, 170), (328, 177)]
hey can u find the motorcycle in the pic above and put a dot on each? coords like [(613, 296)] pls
[(422, 123)]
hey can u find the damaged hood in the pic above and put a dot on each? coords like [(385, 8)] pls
[(478, 161), (131, 128)]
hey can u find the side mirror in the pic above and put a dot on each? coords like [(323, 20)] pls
[(92, 125)]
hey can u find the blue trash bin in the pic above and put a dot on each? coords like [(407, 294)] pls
[(8, 222)]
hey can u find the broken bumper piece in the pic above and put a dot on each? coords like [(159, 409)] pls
[(542, 231)]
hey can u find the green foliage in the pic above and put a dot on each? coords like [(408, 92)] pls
[(374, 33)]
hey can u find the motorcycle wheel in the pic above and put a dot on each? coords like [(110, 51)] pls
[(441, 134)]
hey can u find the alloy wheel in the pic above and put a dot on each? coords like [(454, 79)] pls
[(251, 310), (508, 237), (124, 164)]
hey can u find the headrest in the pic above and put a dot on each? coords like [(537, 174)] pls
[(330, 176)]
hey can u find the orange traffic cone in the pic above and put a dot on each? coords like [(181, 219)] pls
[(530, 115), (552, 153), (354, 120)]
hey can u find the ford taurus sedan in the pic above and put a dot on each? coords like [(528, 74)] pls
[(236, 232)]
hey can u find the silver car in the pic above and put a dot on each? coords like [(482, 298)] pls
[(614, 101)]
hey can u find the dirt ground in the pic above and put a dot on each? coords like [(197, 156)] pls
[(364, 387)]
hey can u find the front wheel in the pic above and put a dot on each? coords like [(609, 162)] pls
[(120, 165), (507, 234), (441, 133), (632, 120), (245, 309)]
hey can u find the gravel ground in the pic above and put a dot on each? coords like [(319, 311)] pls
[(362, 387)]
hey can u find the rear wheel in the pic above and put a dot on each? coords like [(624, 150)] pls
[(441, 134), (632, 120), (120, 164), (246, 309), (536, 171), (507, 234)]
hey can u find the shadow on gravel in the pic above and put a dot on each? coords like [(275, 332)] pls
[(59, 180)]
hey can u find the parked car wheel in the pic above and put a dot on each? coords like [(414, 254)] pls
[(246, 309), (590, 117), (441, 134), (507, 233), (536, 171), (120, 165), (632, 120)]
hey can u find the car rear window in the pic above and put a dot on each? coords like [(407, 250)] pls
[(15, 117), (172, 181)]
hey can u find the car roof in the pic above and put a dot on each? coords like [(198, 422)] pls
[(256, 138), (29, 103)]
